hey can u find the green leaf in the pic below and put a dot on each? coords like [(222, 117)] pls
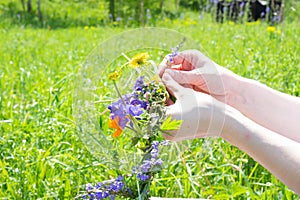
[(170, 124)]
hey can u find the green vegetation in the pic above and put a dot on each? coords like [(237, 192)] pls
[(41, 156)]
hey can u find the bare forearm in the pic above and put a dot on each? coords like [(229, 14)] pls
[(272, 109), (278, 154)]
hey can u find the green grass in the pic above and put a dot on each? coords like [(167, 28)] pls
[(41, 156)]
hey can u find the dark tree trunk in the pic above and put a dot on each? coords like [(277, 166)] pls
[(29, 7), (112, 9), (39, 11)]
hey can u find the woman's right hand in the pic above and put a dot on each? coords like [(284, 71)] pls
[(193, 69)]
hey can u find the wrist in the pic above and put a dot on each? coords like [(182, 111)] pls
[(236, 88), (234, 126)]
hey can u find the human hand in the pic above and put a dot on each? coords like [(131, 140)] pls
[(202, 115), (193, 69)]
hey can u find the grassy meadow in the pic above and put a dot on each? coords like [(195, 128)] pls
[(41, 155)]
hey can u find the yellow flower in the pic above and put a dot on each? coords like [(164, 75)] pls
[(271, 29), (86, 28), (114, 75), (138, 60), (231, 23), (278, 32)]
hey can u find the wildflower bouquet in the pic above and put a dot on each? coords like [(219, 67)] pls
[(141, 116)]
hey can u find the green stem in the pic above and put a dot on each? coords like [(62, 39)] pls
[(125, 56)]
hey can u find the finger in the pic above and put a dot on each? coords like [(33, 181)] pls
[(162, 66), (184, 77), (172, 85), (185, 60)]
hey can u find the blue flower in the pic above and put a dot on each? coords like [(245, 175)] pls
[(145, 167), (105, 194), (117, 109), (89, 187), (120, 178), (159, 161), (98, 186), (139, 83), (154, 153), (92, 196), (155, 144), (134, 170), (135, 110), (142, 177), (99, 194)]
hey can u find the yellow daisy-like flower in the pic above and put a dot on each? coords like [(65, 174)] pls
[(271, 29), (278, 32), (114, 75), (138, 60)]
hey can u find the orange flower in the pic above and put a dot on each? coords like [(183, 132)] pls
[(114, 123)]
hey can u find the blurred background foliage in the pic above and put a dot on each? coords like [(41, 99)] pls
[(125, 13)]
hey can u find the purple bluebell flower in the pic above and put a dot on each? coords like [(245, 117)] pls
[(173, 54), (92, 196), (123, 121), (158, 162), (134, 170), (154, 153), (145, 167), (89, 187), (268, 9), (127, 98), (242, 4), (142, 177), (155, 144), (139, 83), (145, 105), (105, 194), (98, 186), (135, 111), (98, 194), (117, 109), (120, 178), (136, 101)]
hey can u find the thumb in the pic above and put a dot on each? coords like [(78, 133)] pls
[(173, 87), (184, 77)]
